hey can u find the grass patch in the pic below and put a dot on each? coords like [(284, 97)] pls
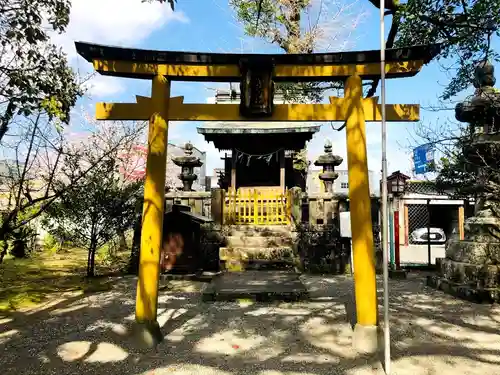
[(25, 283)]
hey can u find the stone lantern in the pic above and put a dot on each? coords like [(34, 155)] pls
[(187, 162), (328, 161), (473, 261)]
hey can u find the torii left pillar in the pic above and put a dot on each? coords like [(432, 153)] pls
[(147, 325)]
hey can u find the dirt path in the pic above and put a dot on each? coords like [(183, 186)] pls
[(432, 334)]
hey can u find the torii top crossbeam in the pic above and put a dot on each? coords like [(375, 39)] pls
[(224, 67)]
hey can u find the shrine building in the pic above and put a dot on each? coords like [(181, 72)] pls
[(259, 155)]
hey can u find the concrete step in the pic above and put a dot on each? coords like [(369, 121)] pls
[(256, 253), (259, 241), (259, 230), (236, 259), (256, 285)]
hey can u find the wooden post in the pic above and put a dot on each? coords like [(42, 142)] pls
[(461, 221), (255, 197), (295, 197), (217, 206), (396, 240), (391, 237), (406, 224), (281, 156), (429, 247), (233, 169), (153, 211), (361, 222)]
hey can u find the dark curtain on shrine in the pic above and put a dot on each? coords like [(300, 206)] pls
[(257, 172)]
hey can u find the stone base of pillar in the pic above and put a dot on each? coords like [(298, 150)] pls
[(365, 339), (472, 282), (470, 270), (146, 335), (397, 274)]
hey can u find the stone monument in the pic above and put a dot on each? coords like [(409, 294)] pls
[(187, 162), (471, 267)]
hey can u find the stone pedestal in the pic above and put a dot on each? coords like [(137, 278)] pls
[(480, 246), (471, 269)]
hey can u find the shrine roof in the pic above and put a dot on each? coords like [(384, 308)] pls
[(214, 128)]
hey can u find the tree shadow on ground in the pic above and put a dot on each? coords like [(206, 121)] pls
[(431, 333)]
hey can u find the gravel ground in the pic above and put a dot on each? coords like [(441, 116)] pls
[(432, 333)]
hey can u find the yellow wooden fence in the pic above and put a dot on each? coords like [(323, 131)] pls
[(257, 207)]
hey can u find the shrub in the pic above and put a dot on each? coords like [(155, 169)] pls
[(51, 244), (321, 249), (20, 238)]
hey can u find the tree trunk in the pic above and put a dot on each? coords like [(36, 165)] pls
[(133, 265), (6, 119), (5, 248), (91, 259), (122, 241)]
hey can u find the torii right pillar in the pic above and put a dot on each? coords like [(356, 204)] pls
[(365, 336)]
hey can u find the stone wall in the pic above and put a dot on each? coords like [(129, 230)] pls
[(199, 201)]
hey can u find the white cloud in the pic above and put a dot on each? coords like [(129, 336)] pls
[(114, 22), (101, 86), (118, 22)]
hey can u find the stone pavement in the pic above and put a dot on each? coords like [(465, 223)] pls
[(432, 333)]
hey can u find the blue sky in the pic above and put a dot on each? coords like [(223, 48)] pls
[(209, 26)]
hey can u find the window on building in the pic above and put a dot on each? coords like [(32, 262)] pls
[(344, 185)]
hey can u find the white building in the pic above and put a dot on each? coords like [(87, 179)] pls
[(341, 184)]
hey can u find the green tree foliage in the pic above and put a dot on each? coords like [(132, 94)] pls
[(276, 21), (295, 27), (457, 174), (34, 73), (464, 28), (41, 174), (287, 24), (92, 212)]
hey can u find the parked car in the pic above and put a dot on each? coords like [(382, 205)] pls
[(436, 236)]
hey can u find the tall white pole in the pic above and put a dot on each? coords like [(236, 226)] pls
[(387, 337)]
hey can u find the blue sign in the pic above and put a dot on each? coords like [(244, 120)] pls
[(423, 157)]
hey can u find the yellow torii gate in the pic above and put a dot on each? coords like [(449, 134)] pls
[(257, 74)]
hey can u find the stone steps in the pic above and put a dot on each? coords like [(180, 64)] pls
[(266, 255), (258, 247), (242, 258), (257, 253), (243, 241), (260, 230)]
